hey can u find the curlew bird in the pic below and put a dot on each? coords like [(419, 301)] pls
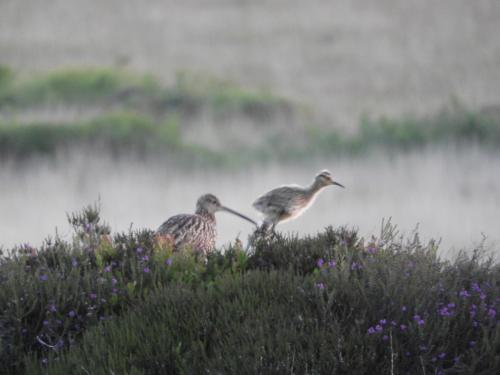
[(290, 201), (197, 230)]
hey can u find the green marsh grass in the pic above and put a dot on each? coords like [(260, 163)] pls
[(136, 112)]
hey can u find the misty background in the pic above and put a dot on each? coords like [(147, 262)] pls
[(332, 62)]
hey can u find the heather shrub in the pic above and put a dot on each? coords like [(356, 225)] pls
[(329, 303), (335, 319)]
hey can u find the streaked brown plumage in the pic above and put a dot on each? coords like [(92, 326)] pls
[(197, 230), (290, 201)]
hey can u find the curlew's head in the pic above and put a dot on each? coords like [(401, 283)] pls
[(324, 178), (210, 204)]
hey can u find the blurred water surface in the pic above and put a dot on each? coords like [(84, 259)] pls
[(451, 193)]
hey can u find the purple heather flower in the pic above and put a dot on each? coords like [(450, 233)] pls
[(356, 266), (74, 262), (464, 294), (445, 312), (52, 308), (45, 361), (379, 328), (403, 327), (139, 250), (423, 348), (475, 323), (383, 321), (482, 296), (169, 261), (492, 313), (371, 250), (320, 262), (434, 359), (441, 355), (114, 291), (45, 322), (403, 309), (385, 337), (101, 318), (146, 270), (114, 281), (416, 317), (371, 331), (107, 269), (320, 286), (332, 264), (473, 310), (92, 295), (44, 277), (145, 258), (456, 359), (451, 305), (440, 372), (475, 287), (472, 343), (72, 314)]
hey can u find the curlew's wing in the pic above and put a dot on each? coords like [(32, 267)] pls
[(278, 201), (174, 224)]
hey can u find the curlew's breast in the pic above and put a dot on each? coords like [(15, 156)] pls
[(298, 207)]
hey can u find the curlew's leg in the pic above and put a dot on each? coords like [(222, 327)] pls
[(264, 227), (272, 232), (272, 228)]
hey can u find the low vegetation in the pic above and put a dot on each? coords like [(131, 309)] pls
[(330, 303)]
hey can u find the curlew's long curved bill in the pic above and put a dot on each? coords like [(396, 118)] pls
[(223, 208), (338, 184)]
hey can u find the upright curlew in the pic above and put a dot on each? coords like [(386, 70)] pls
[(197, 230), (290, 201)]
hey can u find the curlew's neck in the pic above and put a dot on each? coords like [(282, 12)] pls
[(205, 213), (314, 188)]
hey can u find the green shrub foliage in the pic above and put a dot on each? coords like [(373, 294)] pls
[(330, 303)]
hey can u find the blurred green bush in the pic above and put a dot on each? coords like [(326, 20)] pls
[(133, 113)]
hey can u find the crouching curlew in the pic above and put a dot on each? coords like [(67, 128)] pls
[(197, 231)]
